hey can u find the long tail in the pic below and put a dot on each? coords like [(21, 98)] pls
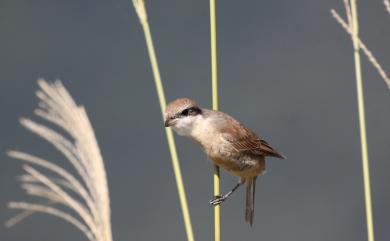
[(250, 200)]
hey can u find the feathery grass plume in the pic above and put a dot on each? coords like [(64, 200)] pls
[(387, 5), (348, 28), (92, 204), (139, 6), (353, 29), (214, 88)]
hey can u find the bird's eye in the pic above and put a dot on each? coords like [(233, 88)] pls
[(189, 111), (185, 112)]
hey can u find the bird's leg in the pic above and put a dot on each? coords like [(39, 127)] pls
[(219, 199)]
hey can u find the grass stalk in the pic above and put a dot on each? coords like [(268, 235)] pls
[(362, 121), (142, 14), (214, 81), (346, 25)]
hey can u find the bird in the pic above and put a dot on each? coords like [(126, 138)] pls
[(227, 142)]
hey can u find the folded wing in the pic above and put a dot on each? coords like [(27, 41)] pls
[(246, 141)]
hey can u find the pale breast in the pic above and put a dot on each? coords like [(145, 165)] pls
[(239, 165), (222, 153)]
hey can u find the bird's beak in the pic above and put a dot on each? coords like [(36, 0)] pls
[(168, 122)]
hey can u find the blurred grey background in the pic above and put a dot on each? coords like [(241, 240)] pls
[(285, 70)]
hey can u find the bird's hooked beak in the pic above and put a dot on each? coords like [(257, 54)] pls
[(169, 121)]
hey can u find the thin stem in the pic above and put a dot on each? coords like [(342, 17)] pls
[(363, 47), (362, 122), (213, 36), (142, 14), (214, 81)]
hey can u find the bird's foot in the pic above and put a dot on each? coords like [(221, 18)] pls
[(217, 200)]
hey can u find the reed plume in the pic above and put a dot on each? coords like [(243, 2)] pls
[(387, 6), (88, 198)]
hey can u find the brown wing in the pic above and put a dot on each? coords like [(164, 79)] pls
[(245, 140)]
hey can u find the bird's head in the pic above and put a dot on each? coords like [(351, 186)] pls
[(182, 115)]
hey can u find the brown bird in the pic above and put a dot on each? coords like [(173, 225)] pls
[(226, 142)]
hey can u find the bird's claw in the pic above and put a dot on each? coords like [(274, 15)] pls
[(217, 200)]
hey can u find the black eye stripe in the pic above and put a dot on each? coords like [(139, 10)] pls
[(190, 111), (185, 112)]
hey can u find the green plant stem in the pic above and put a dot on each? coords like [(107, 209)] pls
[(214, 81), (170, 138), (141, 11), (362, 122)]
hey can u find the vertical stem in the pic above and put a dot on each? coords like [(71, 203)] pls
[(213, 35), (171, 141), (214, 81), (141, 11), (362, 123)]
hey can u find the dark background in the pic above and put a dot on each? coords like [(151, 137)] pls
[(285, 70)]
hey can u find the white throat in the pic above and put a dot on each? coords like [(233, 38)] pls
[(188, 125)]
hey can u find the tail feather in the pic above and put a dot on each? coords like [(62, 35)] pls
[(250, 200)]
